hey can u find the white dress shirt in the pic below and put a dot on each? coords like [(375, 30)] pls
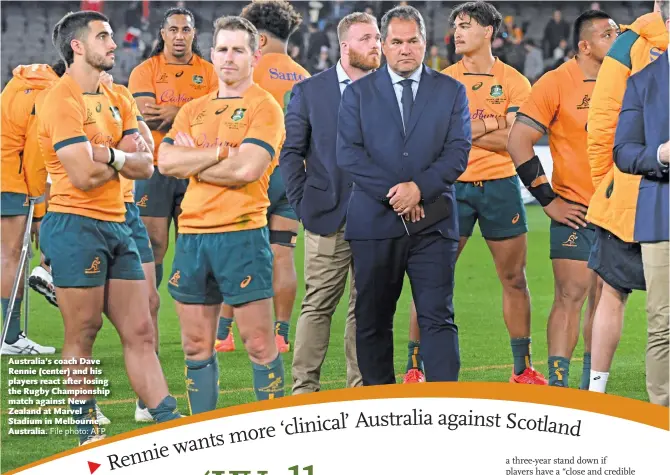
[(397, 87), (342, 77)]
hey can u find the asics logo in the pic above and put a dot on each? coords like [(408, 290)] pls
[(245, 282)]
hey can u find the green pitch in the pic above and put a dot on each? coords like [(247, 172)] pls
[(485, 350)]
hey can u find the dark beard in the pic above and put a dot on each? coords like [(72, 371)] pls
[(98, 62), (362, 62)]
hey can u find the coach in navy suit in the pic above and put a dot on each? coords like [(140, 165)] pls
[(404, 136), (641, 148), (319, 192)]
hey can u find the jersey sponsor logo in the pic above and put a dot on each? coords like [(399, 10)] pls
[(477, 86), (571, 241), (197, 79), (285, 76), (238, 114), (98, 108), (496, 90), (162, 79), (245, 282), (95, 266), (89, 117), (222, 110), (481, 114), (515, 219), (178, 99), (586, 102), (102, 139), (202, 141), (179, 74)]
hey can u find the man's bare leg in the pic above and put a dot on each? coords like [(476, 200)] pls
[(284, 279), (509, 256), (607, 327), (254, 322), (572, 282), (587, 328), (158, 229)]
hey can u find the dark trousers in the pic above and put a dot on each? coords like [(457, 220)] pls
[(380, 266)]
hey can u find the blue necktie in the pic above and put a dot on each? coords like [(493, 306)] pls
[(407, 100)]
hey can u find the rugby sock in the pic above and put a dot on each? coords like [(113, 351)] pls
[(598, 381), (586, 372), (202, 384), (85, 418), (269, 379), (559, 368), (166, 410), (14, 320), (159, 274), (281, 328), (414, 360), (521, 354), (225, 324)]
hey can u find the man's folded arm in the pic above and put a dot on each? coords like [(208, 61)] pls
[(453, 159)]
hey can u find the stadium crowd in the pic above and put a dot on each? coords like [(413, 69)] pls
[(334, 131)]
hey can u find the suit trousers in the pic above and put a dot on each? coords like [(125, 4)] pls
[(328, 260), (655, 258), (429, 261)]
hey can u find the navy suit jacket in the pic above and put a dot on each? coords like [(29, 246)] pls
[(316, 187), (642, 128), (374, 149)]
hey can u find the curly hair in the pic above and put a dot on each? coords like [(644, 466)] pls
[(277, 17), (160, 45)]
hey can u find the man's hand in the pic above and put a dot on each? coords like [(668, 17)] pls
[(566, 213), (183, 139), (415, 214), (163, 115), (404, 197), (132, 143), (664, 155), (35, 234)]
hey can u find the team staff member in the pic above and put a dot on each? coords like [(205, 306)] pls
[(23, 175), (615, 257), (489, 190), (276, 72), (319, 191), (175, 74), (559, 106), (89, 137), (226, 143)]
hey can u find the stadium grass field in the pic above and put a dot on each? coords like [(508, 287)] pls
[(485, 349)]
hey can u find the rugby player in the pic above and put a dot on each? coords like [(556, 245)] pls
[(489, 190), (276, 72), (139, 231), (559, 107), (23, 176), (226, 143), (615, 257), (175, 74), (89, 137)]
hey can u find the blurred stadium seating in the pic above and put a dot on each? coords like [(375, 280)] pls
[(27, 26)]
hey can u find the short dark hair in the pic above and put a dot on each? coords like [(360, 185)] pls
[(403, 13), (277, 17), (237, 23), (160, 44), (72, 26), (59, 67), (483, 13), (584, 21)]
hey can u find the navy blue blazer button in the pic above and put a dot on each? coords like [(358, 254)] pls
[(405, 154), (350, 185)]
